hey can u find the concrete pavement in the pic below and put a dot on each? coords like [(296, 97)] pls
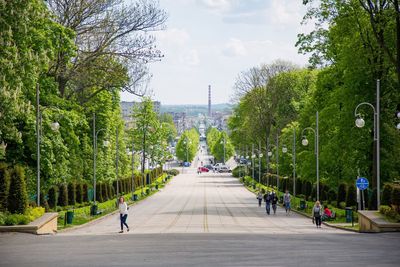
[(202, 220)]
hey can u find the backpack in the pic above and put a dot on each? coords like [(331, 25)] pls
[(317, 211)]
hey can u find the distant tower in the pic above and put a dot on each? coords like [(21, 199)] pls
[(209, 101)]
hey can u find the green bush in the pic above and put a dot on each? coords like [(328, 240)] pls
[(173, 172), (16, 219), (372, 200), (387, 194), (396, 197), (351, 197), (85, 193), (384, 209), (17, 197), (79, 193), (104, 194), (341, 195), (63, 196), (4, 185), (53, 191), (3, 217), (238, 170), (331, 196), (71, 194), (342, 205), (34, 213)]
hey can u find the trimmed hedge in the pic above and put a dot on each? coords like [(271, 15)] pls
[(5, 181), (52, 195), (17, 197), (63, 195), (71, 194)]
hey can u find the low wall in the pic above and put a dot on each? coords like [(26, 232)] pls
[(370, 221), (47, 224)]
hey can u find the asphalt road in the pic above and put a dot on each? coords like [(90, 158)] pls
[(202, 220)]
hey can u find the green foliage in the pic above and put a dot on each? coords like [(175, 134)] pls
[(53, 196), (396, 197), (173, 172), (63, 196), (17, 219), (71, 194), (4, 185), (351, 197), (34, 213), (387, 194), (186, 147), (341, 195), (17, 198), (79, 193)]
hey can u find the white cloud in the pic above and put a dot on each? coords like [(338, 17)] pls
[(284, 13), (190, 57), (173, 37), (234, 47), (218, 5)]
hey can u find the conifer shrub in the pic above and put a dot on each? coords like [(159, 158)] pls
[(17, 196)]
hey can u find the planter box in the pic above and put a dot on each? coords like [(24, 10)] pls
[(371, 222), (47, 224)]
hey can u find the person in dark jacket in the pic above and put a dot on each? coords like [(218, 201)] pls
[(274, 201), (267, 200)]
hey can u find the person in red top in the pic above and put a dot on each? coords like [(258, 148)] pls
[(327, 213)]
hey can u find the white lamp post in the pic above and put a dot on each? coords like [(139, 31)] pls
[(361, 123), (304, 142)]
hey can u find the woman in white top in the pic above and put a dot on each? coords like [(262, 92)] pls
[(123, 214)]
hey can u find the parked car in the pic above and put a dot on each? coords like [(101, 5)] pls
[(209, 167), (202, 169), (217, 166), (224, 169)]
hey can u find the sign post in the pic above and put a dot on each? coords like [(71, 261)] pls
[(362, 184)]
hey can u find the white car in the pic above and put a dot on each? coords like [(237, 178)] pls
[(218, 166), (224, 169)]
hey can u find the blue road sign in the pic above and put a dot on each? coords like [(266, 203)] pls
[(362, 183)]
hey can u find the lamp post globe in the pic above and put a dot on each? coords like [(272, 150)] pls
[(304, 142), (55, 126), (106, 143), (360, 122), (284, 149), (261, 155), (269, 153), (398, 126)]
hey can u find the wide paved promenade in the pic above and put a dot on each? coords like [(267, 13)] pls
[(202, 220)]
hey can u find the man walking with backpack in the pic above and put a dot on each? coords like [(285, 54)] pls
[(274, 201)]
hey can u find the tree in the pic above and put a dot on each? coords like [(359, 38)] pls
[(111, 37), (186, 147), (18, 197), (341, 195), (5, 180), (63, 195), (351, 197)]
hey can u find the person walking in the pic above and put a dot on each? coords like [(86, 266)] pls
[(317, 213), (123, 214), (267, 199), (286, 201), (274, 201), (259, 197)]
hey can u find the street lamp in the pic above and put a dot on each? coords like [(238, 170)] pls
[(304, 142), (55, 126), (361, 123), (223, 143), (105, 144), (260, 155)]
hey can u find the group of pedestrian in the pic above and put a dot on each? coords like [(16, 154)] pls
[(271, 199)]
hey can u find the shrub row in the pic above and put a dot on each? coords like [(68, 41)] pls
[(173, 172), (13, 193)]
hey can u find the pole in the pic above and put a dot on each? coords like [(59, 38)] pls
[(224, 150), (259, 162), (38, 133), (133, 169), (277, 160), (116, 160), (267, 158), (294, 162), (252, 160), (378, 146), (317, 152), (245, 173), (94, 157)]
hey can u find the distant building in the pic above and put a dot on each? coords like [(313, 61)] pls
[(127, 109)]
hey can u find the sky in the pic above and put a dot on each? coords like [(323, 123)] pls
[(209, 42)]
